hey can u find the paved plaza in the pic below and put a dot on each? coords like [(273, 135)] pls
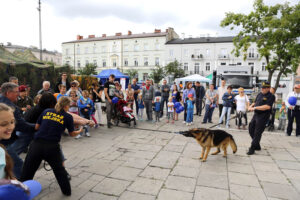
[(132, 164)]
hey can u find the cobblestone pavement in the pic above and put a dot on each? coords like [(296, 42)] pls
[(132, 164)]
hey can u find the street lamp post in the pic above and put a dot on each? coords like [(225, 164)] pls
[(40, 30)]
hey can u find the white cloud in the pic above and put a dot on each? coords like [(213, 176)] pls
[(62, 20)]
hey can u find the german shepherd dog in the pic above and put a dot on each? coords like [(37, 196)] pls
[(211, 138)]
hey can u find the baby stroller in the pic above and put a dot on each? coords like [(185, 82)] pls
[(122, 116)]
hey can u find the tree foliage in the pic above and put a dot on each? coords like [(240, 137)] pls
[(174, 69), (132, 73), (157, 74), (274, 30), (89, 69)]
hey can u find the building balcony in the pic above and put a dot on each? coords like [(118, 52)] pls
[(197, 57), (223, 56)]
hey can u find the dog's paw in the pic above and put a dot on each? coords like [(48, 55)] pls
[(203, 160), (224, 156)]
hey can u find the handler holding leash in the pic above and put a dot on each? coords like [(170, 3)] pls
[(262, 110)]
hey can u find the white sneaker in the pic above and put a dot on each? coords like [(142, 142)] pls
[(191, 123), (187, 124), (183, 122), (78, 136), (87, 134)]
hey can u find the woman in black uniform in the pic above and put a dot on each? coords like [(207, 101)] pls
[(45, 146)]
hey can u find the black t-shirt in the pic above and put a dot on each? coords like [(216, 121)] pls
[(264, 99), (95, 96), (53, 124), (110, 89)]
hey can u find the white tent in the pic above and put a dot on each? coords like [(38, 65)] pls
[(192, 78)]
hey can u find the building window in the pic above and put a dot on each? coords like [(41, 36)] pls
[(156, 46), (171, 52), (223, 63), (263, 66), (114, 61), (145, 61), (186, 66), (103, 48), (207, 66), (238, 63), (78, 63), (114, 48), (251, 64), (251, 53), (197, 68), (67, 62), (94, 49), (207, 52), (136, 63), (157, 61), (145, 76), (67, 51), (104, 63), (146, 47), (126, 62), (126, 47), (78, 50), (95, 63), (86, 50), (136, 47), (186, 53)]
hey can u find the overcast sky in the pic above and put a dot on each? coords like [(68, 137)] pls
[(62, 20)]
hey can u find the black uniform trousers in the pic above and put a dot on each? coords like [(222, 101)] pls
[(198, 106), (292, 114), (50, 152), (257, 127)]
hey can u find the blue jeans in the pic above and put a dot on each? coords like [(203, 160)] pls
[(224, 111), (208, 113), (85, 127), (189, 116), (18, 162), (22, 142), (163, 100)]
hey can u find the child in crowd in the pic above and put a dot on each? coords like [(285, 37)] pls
[(170, 110), (282, 117), (73, 106), (36, 99), (24, 102), (157, 109), (128, 110), (62, 91), (141, 107), (190, 110), (94, 111), (85, 105)]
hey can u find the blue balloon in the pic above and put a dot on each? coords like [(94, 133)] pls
[(178, 111), (181, 108), (177, 104), (292, 101), (115, 100)]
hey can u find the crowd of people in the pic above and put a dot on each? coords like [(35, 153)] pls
[(39, 121)]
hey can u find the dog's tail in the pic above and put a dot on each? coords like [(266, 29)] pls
[(233, 145)]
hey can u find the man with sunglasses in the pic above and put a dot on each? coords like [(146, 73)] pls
[(262, 110)]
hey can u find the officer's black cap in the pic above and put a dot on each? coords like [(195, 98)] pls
[(265, 84)]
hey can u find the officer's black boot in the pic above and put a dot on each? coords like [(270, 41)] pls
[(250, 151)]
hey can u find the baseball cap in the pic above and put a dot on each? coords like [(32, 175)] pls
[(265, 84), (22, 88), (297, 86), (11, 191)]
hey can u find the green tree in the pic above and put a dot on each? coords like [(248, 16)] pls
[(174, 69), (274, 30), (132, 73), (157, 74), (89, 69)]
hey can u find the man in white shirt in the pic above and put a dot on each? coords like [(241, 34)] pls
[(221, 91), (293, 111)]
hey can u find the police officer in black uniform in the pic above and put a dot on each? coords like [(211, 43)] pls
[(262, 110)]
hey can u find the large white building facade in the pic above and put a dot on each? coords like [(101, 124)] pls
[(132, 51), (203, 55)]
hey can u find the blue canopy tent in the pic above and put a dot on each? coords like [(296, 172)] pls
[(104, 75)]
